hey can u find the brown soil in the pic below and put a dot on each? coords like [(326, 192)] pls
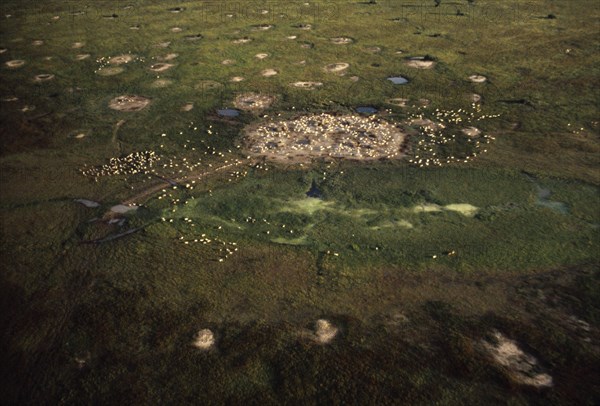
[(129, 103), (310, 137)]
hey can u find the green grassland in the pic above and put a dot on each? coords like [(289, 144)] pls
[(415, 265)]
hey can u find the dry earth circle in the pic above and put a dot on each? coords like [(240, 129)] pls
[(129, 103)]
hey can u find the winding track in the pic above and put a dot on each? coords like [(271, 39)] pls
[(143, 195)]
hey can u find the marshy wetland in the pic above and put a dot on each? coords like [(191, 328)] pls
[(322, 202)]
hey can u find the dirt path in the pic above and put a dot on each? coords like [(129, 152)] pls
[(143, 195)]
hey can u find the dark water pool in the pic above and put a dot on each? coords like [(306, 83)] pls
[(366, 110), (398, 80), (228, 112)]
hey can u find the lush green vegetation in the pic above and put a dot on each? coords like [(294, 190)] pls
[(415, 266)]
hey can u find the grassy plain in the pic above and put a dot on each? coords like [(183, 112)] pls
[(413, 283)]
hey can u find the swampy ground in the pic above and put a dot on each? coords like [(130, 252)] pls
[(416, 267)]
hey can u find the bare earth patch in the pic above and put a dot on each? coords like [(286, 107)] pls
[(398, 101), (420, 63), (161, 67), (110, 71), (167, 57), (43, 77), (518, 365), (15, 63), (325, 331), (208, 85), (477, 78), (242, 40), (236, 79), (129, 103), (269, 72), (336, 67), (81, 57), (77, 45), (342, 40), (471, 131), (204, 339), (307, 85), (310, 137), (261, 55), (262, 27), (475, 98), (253, 101), (187, 107), (121, 59)]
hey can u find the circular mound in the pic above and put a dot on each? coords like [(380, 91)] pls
[(471, 131), (269, 72), (398, 101), (15, 63), (227, 62), (129, 103), (43, 77), (81, 57), (325, 331), (420, 62), (110, 71), (204, 339), (261, 55), (77, 45), (262, 27), (242, 40), (476, 98), (305, 138), (253, 101), (161, 67), (164, 44), (373, 49), (341, 40), (167, 57), (187, 107), (307, 85), (336, 67), (208, 85), (292, 37), (477, 78), (176, 29), (121, 59), (236, 79), (37, 43)]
